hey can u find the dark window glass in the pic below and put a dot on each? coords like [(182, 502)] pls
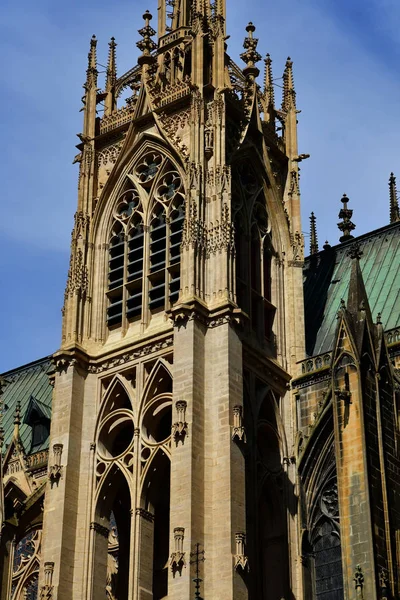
[(328, 564)]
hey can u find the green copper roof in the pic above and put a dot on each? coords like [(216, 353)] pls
[(30, 386), (327, 276)]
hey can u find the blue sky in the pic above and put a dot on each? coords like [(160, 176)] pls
[(346, 58)]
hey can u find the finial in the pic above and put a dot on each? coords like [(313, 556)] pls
[(289, 93), (379, 319), (355, 252), (250, 56), (268, 81), (91, 73), (327, 245), (146, 45), (112, 64), (313, 235), (346, 227), (394, 202)]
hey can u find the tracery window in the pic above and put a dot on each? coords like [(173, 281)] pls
[(325, 540), (25, 570), (254, 252), (133, 445), (145, 241)]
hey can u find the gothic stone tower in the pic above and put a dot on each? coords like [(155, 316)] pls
[(172, 420)]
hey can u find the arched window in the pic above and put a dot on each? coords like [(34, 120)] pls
[(132, 489), (145, 243), (254, 251), (325, 540)]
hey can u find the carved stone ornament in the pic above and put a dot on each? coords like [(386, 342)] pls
[(145, 514), (177, 561), (359, 581), (241, 561), (180, 428), (127, 357), (46, 591), (55, 471), (238, 430), (384, 584)]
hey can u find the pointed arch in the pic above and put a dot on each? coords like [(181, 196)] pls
[(158, 382), (254, 251), (136, 147), (155, 501), (141, 221), (117, 397), (113, 498)]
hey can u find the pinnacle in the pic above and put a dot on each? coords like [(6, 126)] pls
[(346, 226)]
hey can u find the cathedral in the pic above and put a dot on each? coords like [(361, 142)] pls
[(221, 420)]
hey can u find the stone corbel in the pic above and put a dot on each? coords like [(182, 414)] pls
[(241, 561), (177, 561), (180, 428), (238, 430), (55, 471), (46, 591), (100, 529)]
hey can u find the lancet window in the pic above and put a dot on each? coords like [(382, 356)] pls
[(254, 252), (145, 241), (325, 542)]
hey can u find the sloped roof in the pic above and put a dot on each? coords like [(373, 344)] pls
[(23, 384), (327, 277)]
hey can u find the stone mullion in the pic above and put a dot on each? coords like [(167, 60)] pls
[(145, 280), (99, 295)]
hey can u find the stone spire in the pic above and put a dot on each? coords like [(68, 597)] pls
[(250, 56), (313, 235), (91, 73), (289, 93), (357, 300), (394, 203), (146, 44), (111, 78), (90, 87), (346, 226)]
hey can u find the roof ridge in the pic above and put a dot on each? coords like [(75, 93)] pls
[(369, 234), (28, 366)]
